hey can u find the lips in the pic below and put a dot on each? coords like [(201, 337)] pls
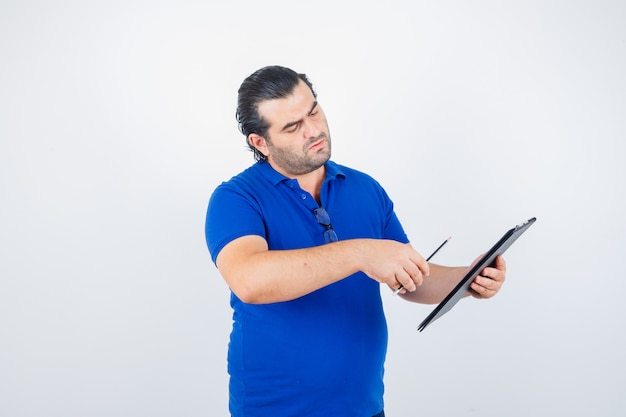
[(317, 144)]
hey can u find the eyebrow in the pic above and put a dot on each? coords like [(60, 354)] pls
[(291, 124)]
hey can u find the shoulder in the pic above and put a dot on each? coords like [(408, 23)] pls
[(351, 174), (247, 176), (353, 178), (252, 181)]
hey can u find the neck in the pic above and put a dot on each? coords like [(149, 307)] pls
[(310, 182)]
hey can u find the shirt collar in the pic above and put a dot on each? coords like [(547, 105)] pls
[(332, 171)]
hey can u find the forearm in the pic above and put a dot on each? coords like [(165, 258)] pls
[(436, 285), (265, 276)]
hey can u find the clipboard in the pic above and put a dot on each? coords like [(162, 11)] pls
[(487, 260)]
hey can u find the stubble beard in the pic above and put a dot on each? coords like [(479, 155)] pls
[(300, 163)]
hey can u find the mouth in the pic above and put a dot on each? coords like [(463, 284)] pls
[(317, 144)]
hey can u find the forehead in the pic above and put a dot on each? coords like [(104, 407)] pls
[(293, 107)]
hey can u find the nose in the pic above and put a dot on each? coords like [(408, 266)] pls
[(311, 129)]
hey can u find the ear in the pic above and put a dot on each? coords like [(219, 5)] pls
[(259, 143)]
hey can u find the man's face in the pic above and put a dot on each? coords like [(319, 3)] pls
[(298, 140)]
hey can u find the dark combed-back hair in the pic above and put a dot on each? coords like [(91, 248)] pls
[(267, 83)]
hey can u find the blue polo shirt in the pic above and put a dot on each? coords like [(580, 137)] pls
[(321, 354)]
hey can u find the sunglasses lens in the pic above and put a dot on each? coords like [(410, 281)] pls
[(330, 236), (322, 217)]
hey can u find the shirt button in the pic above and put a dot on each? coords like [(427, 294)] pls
[(303, 196)]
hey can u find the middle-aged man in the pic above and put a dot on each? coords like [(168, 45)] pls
[(304, 244)]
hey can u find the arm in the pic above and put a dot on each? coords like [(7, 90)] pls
[(443, 279), (258, 275)]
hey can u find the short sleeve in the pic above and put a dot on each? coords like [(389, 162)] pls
[(231, 214)]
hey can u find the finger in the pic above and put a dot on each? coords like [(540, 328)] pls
[(485, 287), (423, 268), (405, 281), (493, 274), (489, 284), (500, 263), (415, 273), (410, 277), (479, 291), (419, 261), (399, 290)]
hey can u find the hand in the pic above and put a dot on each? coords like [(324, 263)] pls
[(490, 280), (395, 264)]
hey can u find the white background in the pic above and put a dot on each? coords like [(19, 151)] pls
[(117, 122)]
